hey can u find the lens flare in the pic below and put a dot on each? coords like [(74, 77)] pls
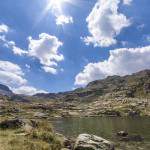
[(55, 7), (55, 4)]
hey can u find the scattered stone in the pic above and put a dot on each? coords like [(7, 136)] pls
[(28, 128), (65, 114), (122, 133), (112, 113), (136, 138), (134, 113), (130, 138), (68, 143), (92, 142), (40, 115)]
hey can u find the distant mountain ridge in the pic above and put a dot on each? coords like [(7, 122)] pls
[(4, 90), (135, 85)]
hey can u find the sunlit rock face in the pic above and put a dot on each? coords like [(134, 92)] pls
[(92, 142)]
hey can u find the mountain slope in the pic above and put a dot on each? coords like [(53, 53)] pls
[(4, 90), (135, 85)]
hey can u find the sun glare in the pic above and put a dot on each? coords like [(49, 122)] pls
[(55, 4), (56, 7)]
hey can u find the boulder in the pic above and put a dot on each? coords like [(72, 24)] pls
[(92, 142), (132, 138), (14, 123), (122, 133), (134, 113), (68, 143)]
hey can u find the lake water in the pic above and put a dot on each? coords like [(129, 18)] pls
[(104, 127)]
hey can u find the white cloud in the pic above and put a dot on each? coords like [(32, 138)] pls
[(4, 28), (12, 45), (18, 51), (127, 2), (11, 74), (62, 20), (46, 50), (28, 66), (105, 22), (56, 8), (28, 90), (120, 62), (49, 70)]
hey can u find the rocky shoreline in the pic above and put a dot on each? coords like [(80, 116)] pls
[(41, 131), (37, 111)]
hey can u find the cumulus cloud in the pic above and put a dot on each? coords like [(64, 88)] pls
[(16, 50), (28, 90), (127, 2), (49, 70), (11, 74), (28, 66), (56, 9), (62, 20), (120, 62), (46, 50), (105, 22), (12, 45), (4, 28)]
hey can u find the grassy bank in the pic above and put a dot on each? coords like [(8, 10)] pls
[(33, 136)]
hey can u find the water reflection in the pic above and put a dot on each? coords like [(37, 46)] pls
[(105, 127)]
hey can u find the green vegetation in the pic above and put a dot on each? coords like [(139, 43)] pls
[(27, 125), (39, 136)]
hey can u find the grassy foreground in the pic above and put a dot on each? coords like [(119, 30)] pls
[(39, 136)]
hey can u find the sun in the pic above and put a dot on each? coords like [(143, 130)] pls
[(56, 7), (55, 4)]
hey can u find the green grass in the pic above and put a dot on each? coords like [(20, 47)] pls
[(42, 137)]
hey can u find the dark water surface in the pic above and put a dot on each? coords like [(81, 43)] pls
[(105, 127)]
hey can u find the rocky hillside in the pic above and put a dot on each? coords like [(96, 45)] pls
[(136, 85), (4, 90)]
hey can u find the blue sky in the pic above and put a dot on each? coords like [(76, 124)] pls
[(98, 38)]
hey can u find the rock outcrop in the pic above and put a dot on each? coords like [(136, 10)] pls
[(13, 123), (136, 85), (4, 90), (92, 142)]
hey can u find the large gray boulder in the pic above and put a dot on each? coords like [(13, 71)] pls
[(92, 142)]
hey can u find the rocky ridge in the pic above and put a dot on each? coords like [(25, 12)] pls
[(136, 85)]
